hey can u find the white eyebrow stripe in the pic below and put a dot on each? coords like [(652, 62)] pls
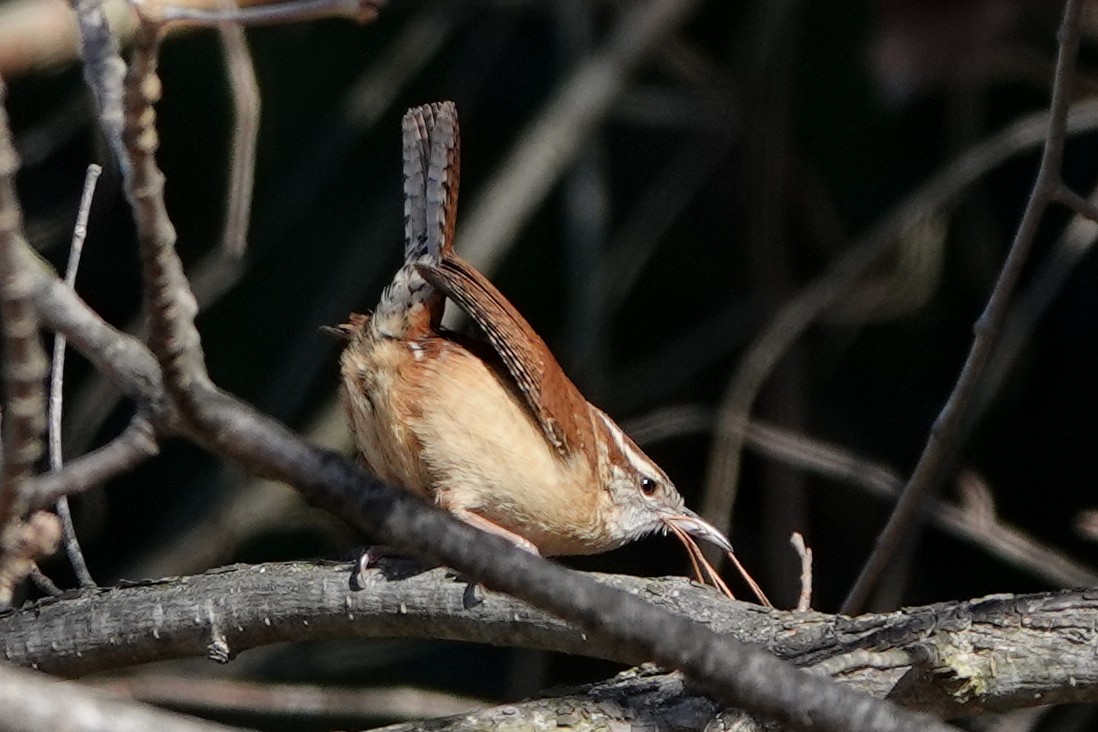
[(639, 462)]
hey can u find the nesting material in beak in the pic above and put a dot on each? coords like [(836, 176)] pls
[(686, 526)]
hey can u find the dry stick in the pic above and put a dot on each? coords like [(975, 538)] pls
[(734, 672), (362, 11), (136, 444), (25, 367), (998, 539), (942, 444), (1069, 198), (808, 306), (244, 91), (550, 144), (698, 561), (44, 583), (804, 601), (57, 380)]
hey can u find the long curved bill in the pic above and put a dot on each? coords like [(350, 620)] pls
[(697, 527)]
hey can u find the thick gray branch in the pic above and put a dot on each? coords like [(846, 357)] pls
[(997, 653)]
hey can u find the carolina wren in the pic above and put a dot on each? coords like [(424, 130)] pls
[(494, 432)]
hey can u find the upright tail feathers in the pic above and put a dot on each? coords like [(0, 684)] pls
[(409, 305)]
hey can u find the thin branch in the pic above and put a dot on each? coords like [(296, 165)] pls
[(1081, 206), (168, 298), (244, 91), (44, 583), (295, 11), (136, 444), (943, 444), (57, 378)]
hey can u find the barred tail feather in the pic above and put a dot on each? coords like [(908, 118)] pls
[(410, 305)]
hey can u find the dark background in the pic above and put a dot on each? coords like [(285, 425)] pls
[(790, 129)]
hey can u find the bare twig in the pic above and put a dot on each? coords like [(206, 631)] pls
[(1076, 240), (244, 91), (1075, 202), (57, 379), (44, 583), (943, 443), (136, 444), (804, 600), (294, 11)]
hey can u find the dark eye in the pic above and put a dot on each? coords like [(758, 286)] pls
[(648, 486)]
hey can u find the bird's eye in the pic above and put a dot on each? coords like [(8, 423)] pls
[(648, 486)]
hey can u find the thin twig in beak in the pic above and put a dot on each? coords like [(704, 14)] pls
[(763, 599), (688, 522), (696, 557)]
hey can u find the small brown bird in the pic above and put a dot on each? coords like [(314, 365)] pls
[(493, 432)]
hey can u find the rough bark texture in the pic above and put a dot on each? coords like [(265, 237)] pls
[(995, 653)]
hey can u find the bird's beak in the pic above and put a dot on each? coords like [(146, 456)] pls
[(698, 527)]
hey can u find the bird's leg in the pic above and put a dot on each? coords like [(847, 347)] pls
[(474, 593), (484, 524)]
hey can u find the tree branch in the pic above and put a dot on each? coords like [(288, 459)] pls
[(991, 654)]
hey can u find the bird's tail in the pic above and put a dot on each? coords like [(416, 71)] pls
[(409, 305)]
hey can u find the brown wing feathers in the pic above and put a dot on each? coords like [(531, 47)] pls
[(553, 399)]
